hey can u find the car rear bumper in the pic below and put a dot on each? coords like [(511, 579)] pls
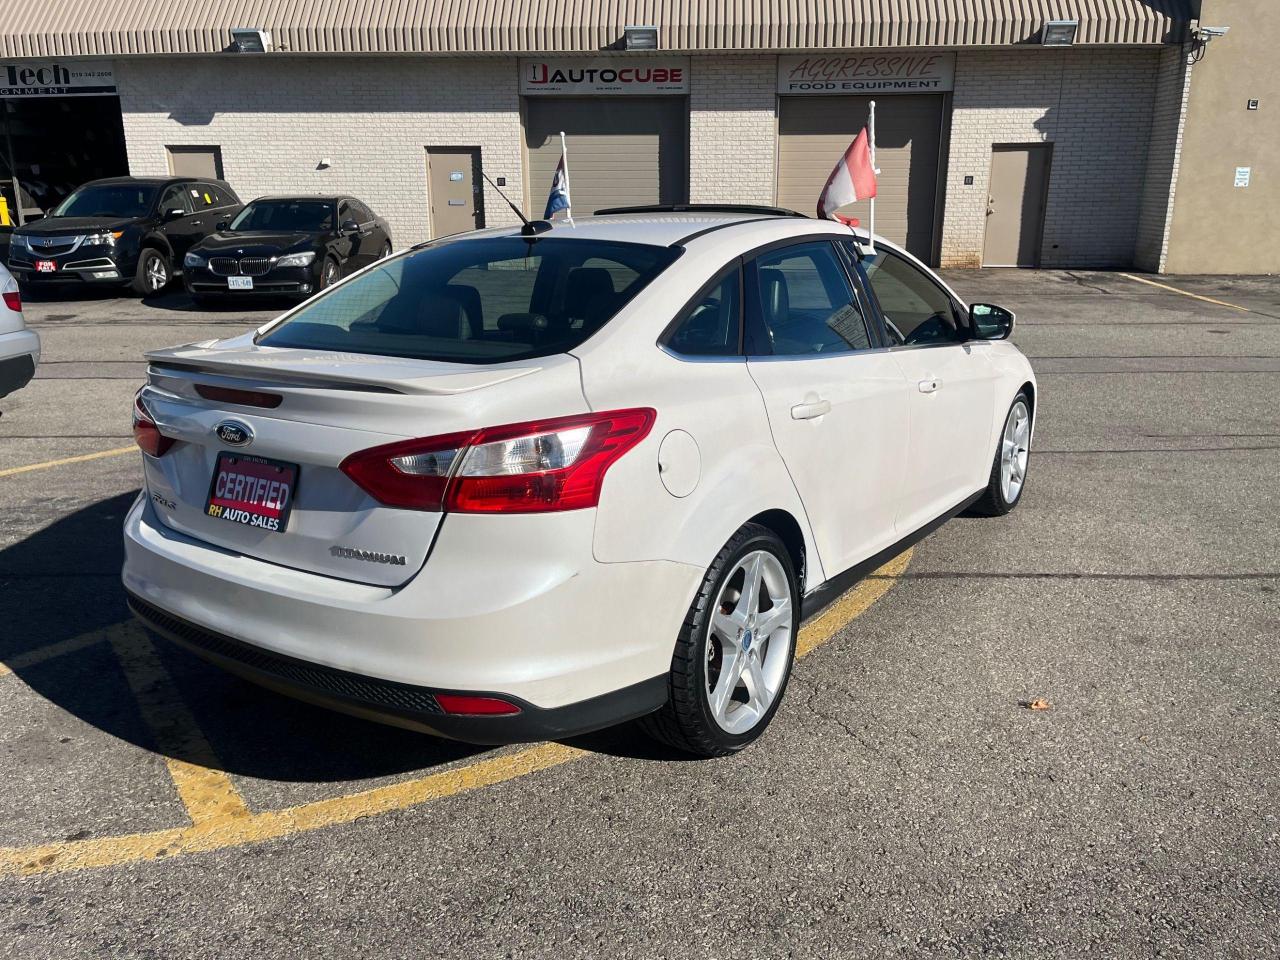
[(576, 644), (19, 354)]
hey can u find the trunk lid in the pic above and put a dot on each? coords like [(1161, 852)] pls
[(331, 405)]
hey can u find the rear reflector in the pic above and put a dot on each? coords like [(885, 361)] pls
[(243, 398), (13, 300), (145, 432), (475, 706), (534, 467)]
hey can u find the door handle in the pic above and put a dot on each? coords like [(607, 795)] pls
[(930, 386), (810, 410), (196, 223)]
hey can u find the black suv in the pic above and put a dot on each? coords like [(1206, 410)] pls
[(132, 230)]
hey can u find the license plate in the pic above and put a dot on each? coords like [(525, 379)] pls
[(239, 283), (252, 491), (46, 266)]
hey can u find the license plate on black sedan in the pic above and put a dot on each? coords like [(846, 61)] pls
[(239, 283), (252, 491)]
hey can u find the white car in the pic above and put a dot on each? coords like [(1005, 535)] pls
[(19, 347), (529, 482)]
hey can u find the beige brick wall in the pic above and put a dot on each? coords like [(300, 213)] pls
[(732, 129), (276, 118), (1095, 107), (1164, 155)]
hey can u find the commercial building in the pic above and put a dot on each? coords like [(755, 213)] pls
[(1018, 132)]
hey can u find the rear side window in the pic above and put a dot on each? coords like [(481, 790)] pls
[(484, 300), (709, 328), (805, 304), (360, 212), (916, 310)]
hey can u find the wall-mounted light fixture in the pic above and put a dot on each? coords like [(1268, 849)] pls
[(643, 37), (1059, 33), (249, 40)]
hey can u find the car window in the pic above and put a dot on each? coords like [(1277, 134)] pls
[(175, 198), (360, 212), (709, 328), (484, 300), (108, 200), (302, 216), (213, 196), (344, 212), (806, 304), (915, 309)]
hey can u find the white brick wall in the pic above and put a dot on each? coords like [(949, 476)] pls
[(1094, 106), (275, 118), (1169, 116), (732, 129)]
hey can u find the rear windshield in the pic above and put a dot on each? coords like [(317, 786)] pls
[(286, 216), (485, 300)]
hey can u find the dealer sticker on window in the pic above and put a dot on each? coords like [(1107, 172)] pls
[(252, 491)]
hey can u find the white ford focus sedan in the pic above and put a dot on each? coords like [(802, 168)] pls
[(529, 482)]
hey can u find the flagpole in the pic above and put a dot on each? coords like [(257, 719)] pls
[(564, 156), (871, 237)]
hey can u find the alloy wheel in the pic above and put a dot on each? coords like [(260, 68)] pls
[(157, 274), (749, 642), (1014, 449)]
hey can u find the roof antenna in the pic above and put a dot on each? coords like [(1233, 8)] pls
[(523, 218)]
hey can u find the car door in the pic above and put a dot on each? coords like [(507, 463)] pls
[(185, 231), (951, 385), (355, 244), (372, 235), (836, 400)]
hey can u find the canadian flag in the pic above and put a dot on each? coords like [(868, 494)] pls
[(853, 179)]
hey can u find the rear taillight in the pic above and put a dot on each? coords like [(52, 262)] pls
[(13, 300), (535, 467), (145, 432)]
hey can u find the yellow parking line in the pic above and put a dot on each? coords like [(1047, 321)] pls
[(83, 458), (206, 792), (220, 818), (31, 658), (853, 604), (1185, 293)]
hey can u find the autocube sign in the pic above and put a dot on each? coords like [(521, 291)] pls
[(57, 78), (630, 75), (867, 73)]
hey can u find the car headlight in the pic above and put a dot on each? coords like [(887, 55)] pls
[(297, 259), (193, 259), (108, 237), (19, 241)]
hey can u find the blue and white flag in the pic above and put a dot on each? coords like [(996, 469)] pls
[(559, 196)]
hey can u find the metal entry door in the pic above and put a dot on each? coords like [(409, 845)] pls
[(454, 190), (1015, 212)]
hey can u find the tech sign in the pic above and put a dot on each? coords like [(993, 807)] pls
[(52, 78), (632, 75)]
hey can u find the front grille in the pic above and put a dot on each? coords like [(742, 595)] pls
[(53, 246), (350, 686), (224, 266), (254, 266)]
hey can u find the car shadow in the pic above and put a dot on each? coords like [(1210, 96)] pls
[(62, 583), (178, 300)]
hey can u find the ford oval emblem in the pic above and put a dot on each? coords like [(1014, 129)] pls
[(234, 432)]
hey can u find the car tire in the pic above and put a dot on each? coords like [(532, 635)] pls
[(691, 721), (386, 251), (1008, 477), (153, 273), (330, 273)]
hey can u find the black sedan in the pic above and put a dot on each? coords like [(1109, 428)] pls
[(286, 245)]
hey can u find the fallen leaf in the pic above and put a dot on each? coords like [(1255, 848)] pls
[(1039, 703)]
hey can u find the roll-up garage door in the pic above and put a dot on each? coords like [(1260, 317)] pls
[(813, 132), (622, 150)]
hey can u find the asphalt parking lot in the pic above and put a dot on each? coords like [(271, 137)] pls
[(904, 802)]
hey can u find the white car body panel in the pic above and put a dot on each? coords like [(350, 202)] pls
[(555, 608), (16, 340)]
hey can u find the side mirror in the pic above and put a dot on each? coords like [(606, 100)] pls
[(222, 225), (990, 322), (350, 226), (175, 213)]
